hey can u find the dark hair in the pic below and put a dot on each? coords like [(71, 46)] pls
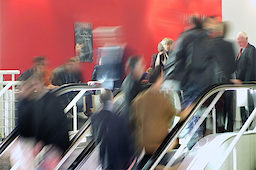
[(155, 74), (195, 20), (107, 95), (38, 59)]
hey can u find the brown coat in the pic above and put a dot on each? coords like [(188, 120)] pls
[(153, 114)]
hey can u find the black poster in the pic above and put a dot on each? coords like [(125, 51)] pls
[(84, 41)]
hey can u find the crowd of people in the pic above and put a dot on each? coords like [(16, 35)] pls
[(200, 58)]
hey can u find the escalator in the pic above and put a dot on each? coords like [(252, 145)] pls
[(83, 152), (75, 136), (179, 153)]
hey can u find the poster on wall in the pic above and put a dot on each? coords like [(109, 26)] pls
[(84, 41)]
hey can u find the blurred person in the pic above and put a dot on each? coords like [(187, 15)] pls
[(167, 44), (194, 23), (192, 63), (160, 48), (245, 69), (225, 72), (41, 124), (39, 66), (132, 84), (70, 72), (131, 87), (224, 54), (152, 115), (210, 24), (112, 134), (163, 55), (193, 66)]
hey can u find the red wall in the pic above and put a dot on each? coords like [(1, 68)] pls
[(46, 27)]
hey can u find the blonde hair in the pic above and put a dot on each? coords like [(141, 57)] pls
[(167, 41), (243, 34)]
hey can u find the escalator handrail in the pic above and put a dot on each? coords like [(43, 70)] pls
[(174, 133), (8, 140), (86, 151), (78, 135)]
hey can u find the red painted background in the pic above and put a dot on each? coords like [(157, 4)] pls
[(46, 27)]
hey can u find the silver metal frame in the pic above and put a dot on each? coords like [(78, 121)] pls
[(72, 104), (236, 139), (193, 131), (81, 135), (196, 108)]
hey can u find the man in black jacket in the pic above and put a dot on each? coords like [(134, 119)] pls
[(112, 133), (224, 54), (192, 63), (41, 121), (225, 71)]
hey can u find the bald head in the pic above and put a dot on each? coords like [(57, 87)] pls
[(242, 39)]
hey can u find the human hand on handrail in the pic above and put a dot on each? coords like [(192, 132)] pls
[(236, 81), (184, 113)]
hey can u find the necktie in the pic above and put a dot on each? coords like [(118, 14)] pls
[(240, 52)]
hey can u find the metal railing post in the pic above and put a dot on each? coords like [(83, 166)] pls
[(236, 139), (75, 118), (192, 132), (214, 120), (7, 101)]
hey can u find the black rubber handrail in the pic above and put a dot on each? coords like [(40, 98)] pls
[(85, 153), (8, 140)]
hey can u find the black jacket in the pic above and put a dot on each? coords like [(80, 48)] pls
[(245, 65), (112, 132), (193, 60), (225, 59), (63, 76), (43, 120), (153, 60)]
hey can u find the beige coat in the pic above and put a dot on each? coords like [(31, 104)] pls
[(153, 114)]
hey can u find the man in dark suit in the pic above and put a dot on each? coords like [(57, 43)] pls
[(225, 57), (245, 68), (112, 133), (245, 60)]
